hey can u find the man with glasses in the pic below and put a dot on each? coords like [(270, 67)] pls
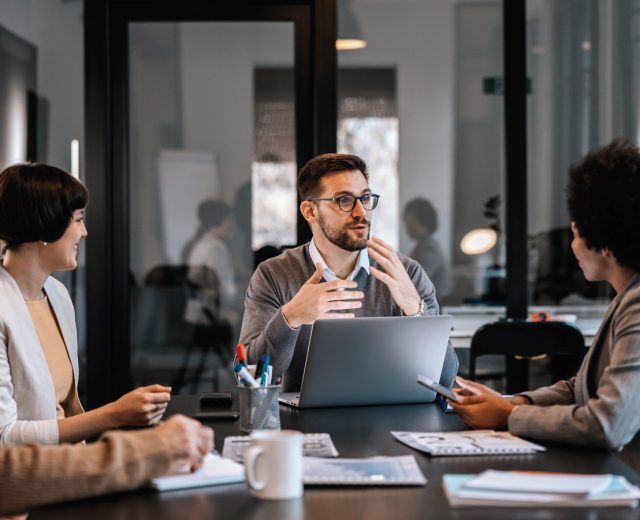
[(354, 275)]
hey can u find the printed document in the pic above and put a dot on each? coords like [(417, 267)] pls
[(478, 442)]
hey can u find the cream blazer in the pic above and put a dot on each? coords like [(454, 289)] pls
[(27, 395)]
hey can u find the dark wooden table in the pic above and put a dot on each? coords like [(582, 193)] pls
[(356, 432)]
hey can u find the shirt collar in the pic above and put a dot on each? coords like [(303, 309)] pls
[(329, 275)]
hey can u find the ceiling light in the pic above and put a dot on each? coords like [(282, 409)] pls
[(349, 33)]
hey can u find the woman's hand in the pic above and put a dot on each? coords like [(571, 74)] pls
[(187, 441), (143, 406), (481, 407)]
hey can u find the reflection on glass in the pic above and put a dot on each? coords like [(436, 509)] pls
[(415, 109), (42, 69), (212, 142), (376, 140), (274, 204), (584, 72)]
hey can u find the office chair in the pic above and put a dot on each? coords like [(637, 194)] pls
[(182, 286), (521, 341)]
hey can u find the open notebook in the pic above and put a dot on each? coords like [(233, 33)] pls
[(215, 470)]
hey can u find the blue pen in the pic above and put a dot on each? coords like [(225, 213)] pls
[(259, 365), (245, 376), (265, 370)]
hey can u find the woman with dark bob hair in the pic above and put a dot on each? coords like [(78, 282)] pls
[(600, 406), (41, 226)]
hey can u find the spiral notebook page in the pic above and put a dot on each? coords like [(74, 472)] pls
[(479, 442)]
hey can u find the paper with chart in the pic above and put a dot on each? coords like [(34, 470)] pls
[(314, 445), (373, 471), (479, 442)]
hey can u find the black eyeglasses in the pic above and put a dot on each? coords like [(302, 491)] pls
[(347, 203)]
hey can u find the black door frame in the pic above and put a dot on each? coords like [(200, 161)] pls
[(514, 47), (107, 146)]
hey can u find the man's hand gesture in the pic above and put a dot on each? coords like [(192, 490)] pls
[(394, 276), (316, 301)]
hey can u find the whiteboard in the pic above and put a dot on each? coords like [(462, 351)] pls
[(185, 179)]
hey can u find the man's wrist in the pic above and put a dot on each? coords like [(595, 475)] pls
[(288, 321), (418, 312)]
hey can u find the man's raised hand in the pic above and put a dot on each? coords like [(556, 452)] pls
[(394, 276), (316, 301)]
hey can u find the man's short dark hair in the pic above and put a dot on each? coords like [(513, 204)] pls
[(603, 196), (37, 202), (321, 165), (424, 212)]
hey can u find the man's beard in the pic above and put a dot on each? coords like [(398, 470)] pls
[(340, 237)]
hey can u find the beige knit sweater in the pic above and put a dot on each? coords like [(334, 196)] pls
[(34, 475)]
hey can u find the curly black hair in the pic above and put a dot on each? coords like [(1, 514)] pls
[(603, 197)]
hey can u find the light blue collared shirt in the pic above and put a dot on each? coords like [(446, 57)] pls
[(329, 275)]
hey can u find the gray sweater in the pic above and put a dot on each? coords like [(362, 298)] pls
[(277, 280)]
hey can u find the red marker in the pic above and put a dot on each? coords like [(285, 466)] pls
[(241, 354)]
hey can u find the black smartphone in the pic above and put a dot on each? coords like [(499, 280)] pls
[(209, 398), (228, 416), (437, 387)]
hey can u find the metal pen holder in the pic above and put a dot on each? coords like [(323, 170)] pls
[(259, 408)]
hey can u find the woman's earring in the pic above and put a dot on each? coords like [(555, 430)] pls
[(44, 243)]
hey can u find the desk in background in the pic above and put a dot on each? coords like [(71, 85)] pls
[(356, 432), (468, 319)]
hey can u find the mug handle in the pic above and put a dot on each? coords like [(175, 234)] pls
[(250, 458)]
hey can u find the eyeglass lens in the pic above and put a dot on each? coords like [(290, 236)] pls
[(348, 202)]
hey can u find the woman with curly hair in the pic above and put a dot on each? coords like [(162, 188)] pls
[(599, 406)]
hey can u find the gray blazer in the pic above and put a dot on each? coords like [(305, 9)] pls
[(600, 406), (27, 394)]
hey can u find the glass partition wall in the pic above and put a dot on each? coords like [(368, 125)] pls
[(213, 162), (425, 111), (212, 120), (41, 109), (583, 65)]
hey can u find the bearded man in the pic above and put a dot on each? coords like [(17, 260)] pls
[(341, 273)]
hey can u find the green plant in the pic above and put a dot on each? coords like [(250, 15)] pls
[(492, 212)]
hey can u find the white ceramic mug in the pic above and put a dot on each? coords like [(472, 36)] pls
[(273, 464)]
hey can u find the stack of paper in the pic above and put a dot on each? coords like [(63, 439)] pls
[(537, 489)]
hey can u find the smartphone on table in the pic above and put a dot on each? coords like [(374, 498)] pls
[(215, 398), (437, 388), (212, 416)]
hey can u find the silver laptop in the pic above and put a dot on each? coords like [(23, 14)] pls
[(371, 361)]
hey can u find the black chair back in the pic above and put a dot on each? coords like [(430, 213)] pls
[(521, 341), (176, 286)]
